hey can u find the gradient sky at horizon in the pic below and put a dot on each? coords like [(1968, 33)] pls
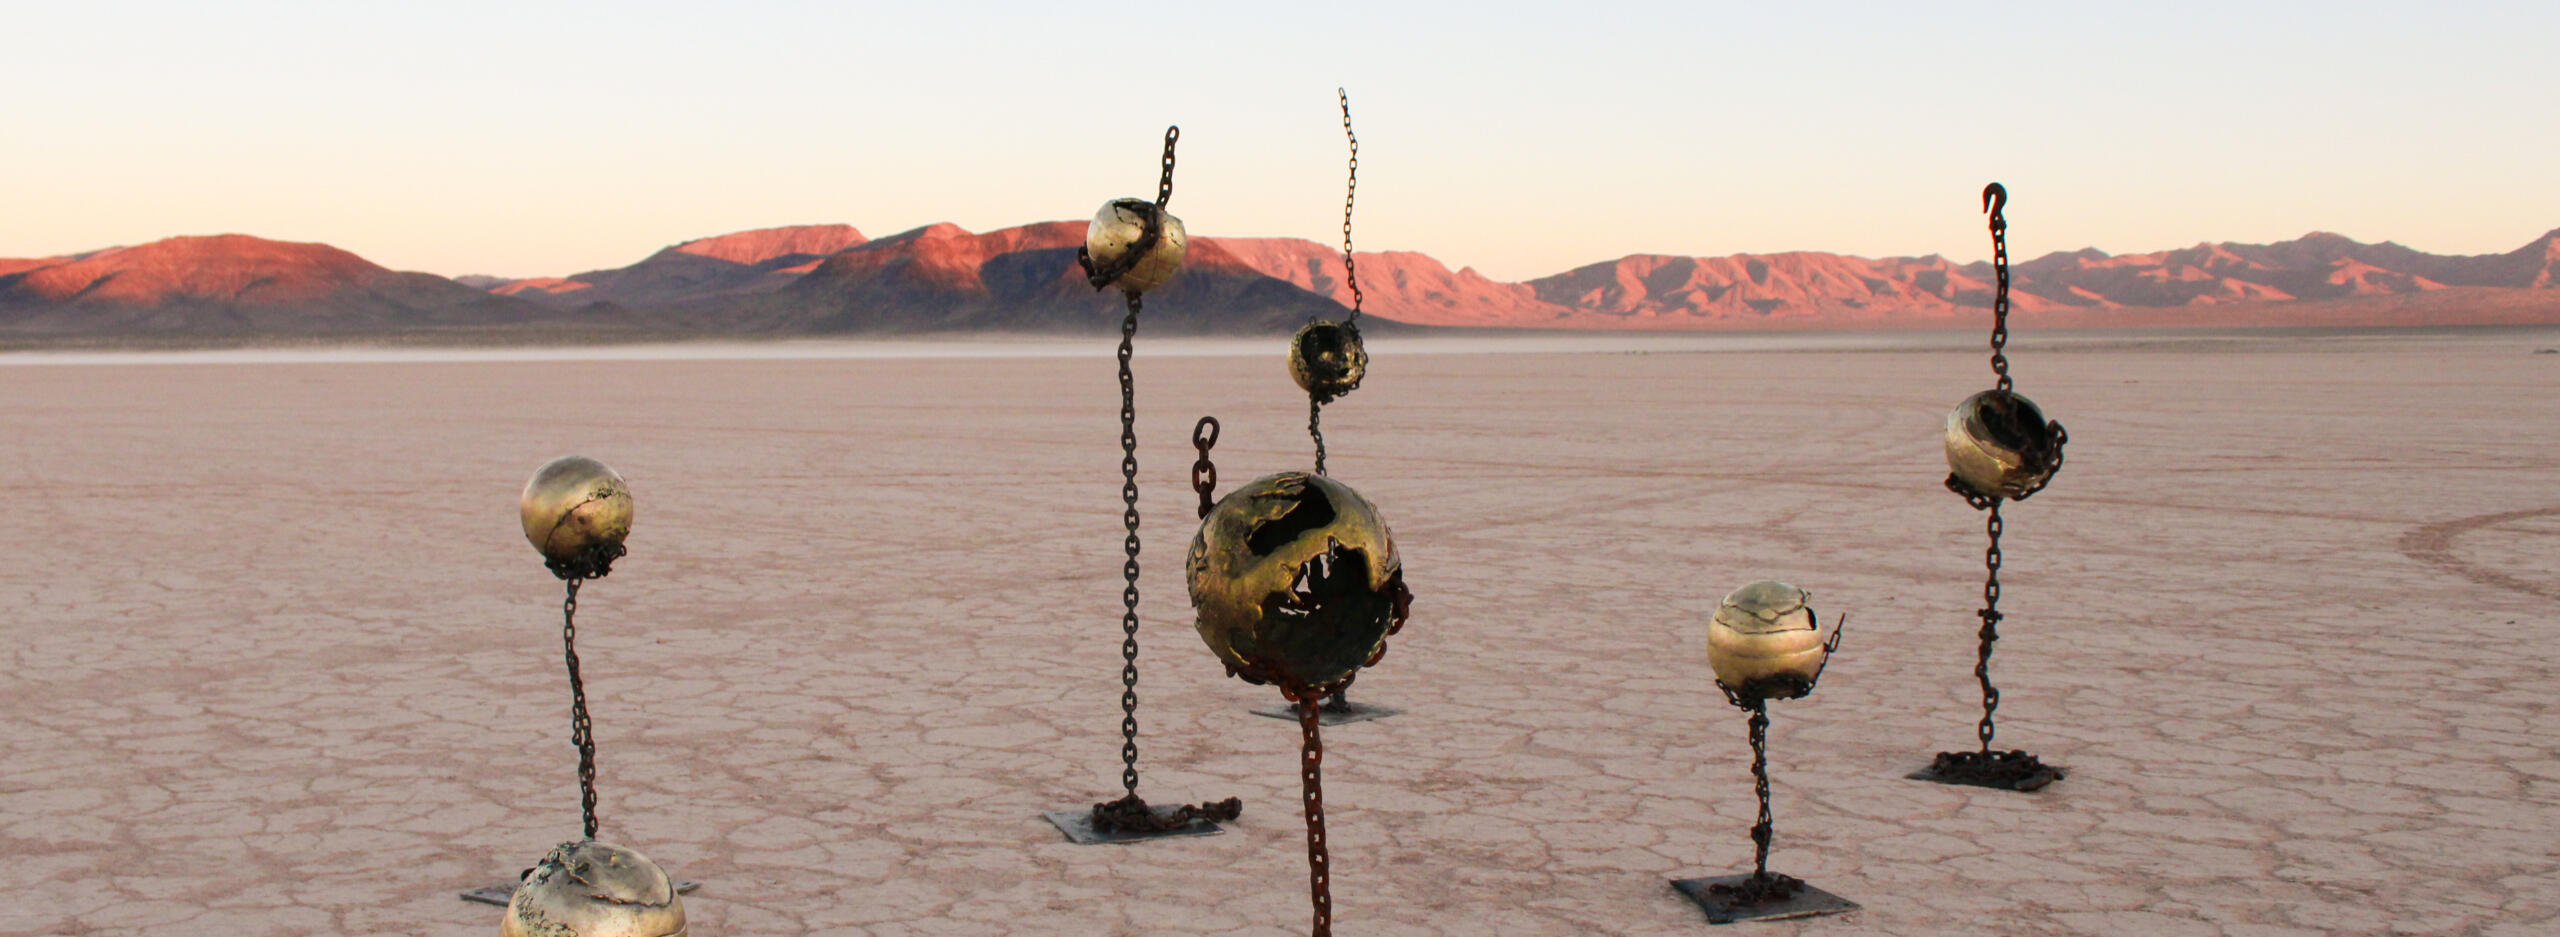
[(525, 139)]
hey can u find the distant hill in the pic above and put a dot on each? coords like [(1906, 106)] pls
[(831, 280), (227, 286)]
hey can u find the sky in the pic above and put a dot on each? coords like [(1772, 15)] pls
[(1522, 139)]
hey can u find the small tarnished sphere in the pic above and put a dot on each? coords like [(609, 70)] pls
[(576, 509), (593, 889), (2000, 445), (1119, 230), (1296, 582), (1326, 359), (1765, 642)]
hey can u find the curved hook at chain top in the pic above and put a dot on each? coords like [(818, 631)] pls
[(1994, 198)]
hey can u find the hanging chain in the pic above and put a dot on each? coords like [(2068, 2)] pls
[(1761, 831), (582, 732), (1164, 185), (1319, 860), (1351, 190), (1315, 428), (1994, 198), (1990, 627), (1350, 272), (1129, 517)]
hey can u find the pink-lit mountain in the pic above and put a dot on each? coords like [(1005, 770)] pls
[(829, 279)]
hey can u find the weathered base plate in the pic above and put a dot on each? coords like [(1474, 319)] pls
[(2008, 771), (500, 894), (1809, 902), (1078, 825), (1332, 715)]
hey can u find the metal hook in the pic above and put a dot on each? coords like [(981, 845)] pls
[(1995, 197)]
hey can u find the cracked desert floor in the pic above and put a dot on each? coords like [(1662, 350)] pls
[(279, 661)]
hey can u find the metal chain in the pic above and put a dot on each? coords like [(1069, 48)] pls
[(1761, 831), (1319, 860), (1351, 190), (1204, 473), (1990, 627), (1164, 185), (1350, 272), (582, 732), (1994, 198), (1315, 428), (1129, 569)]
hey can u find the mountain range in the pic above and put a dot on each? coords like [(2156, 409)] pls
[(814, 280)]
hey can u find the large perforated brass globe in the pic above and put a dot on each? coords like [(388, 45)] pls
[(1296, 582), (1327, 360), (1765, 642), (1119, 236), (592, 889), (575, 508), (2001, 446)]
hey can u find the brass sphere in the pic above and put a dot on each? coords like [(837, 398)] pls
[(577, 512), (592, 889), (1326, 359), (1118, 230), (1765, 642), (2000, 445), (1296, 582)]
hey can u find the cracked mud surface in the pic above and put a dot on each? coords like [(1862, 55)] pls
[(280, 662)]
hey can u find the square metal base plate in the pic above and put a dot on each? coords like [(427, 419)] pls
[(501, 894), (2006, 771), (1332, 715), (1807, 903), (1078, 825)]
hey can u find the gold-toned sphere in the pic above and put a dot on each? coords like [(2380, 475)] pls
[(1118, 240), (1765, 642), (592, 889), (1326, 359), (1296, 582), (2000, 445), (576, 511)]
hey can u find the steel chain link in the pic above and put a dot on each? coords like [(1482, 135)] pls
[(1204, 473)]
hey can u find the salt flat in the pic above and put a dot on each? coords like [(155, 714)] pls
[(279, 661)]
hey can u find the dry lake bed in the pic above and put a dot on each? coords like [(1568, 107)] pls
[(278, 661)]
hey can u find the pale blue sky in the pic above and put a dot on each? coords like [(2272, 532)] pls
[(529, 139)]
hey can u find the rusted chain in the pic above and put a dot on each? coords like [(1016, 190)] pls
[(1319, 859)]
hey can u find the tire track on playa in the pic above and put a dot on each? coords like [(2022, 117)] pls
[(2432, 545)]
